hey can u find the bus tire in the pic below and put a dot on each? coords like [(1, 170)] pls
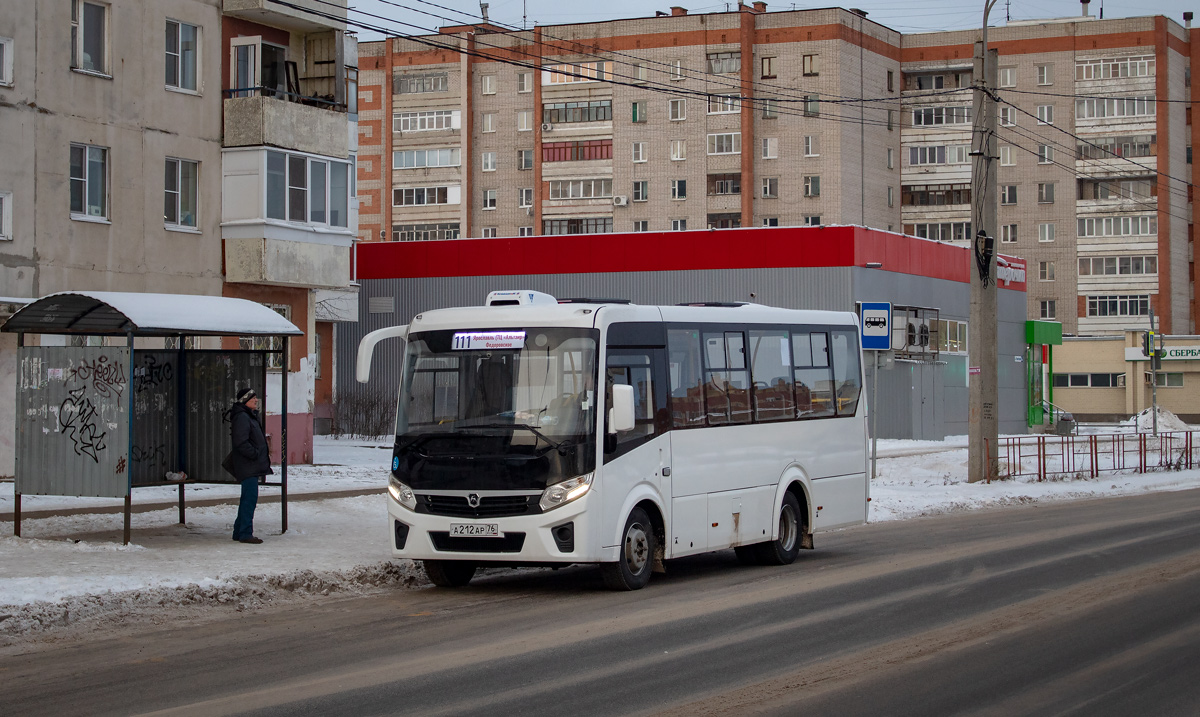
[(449, 573), (783, 550), (636, 560)]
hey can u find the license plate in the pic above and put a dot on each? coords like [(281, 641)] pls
[(475, 530)]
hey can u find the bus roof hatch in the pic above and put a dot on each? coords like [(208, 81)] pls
[(518, 297)]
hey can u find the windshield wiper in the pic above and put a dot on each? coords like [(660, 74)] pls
[(556, 445)]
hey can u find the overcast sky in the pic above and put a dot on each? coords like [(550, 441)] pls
[(905, 16)]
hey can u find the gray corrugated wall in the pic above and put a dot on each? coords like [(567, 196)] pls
[(155, 415), (213, 379)]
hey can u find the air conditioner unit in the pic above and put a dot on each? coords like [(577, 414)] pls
[(917, 335), (529, 211), (546, 126), (620, 201)]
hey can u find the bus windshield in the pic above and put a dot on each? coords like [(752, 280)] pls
[(511, 409)]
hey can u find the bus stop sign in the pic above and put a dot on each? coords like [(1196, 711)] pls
[(875, 319)]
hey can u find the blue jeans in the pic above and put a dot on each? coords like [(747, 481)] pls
[(243, 526)]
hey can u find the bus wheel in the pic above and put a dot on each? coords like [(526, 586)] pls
[(449, 573), (636, 561), (783, 550)]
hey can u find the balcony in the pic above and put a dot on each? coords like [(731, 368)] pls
[(285, 262), (284, 119), (307, 16)]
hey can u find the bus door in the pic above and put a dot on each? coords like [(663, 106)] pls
[(631, 457)]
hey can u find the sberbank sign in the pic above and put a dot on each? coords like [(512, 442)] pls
[(1183, 352), (1173, 353)]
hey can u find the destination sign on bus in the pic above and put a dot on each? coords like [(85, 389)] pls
[(479, 340)]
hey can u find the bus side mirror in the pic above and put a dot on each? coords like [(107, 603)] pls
[(620, 415)]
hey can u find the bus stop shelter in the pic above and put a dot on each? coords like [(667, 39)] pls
[(99, 421)]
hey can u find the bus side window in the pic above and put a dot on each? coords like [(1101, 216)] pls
[(635, 370), (814, 380), (687, 398), (846, 373), (771, 370), (727, 382)]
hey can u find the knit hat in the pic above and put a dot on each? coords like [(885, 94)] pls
[(245, 394)]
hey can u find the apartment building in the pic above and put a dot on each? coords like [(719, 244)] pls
[(1095, 141), (141, 146), (676, 122)]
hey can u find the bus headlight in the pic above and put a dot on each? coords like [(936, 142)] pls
[(401, 493), (565, 492)]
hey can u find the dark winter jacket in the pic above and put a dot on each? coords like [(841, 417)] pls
[(251, 457)]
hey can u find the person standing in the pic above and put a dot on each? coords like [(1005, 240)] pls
[(251, 461)]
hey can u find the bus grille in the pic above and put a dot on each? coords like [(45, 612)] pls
[(510, 543), (490, 506)]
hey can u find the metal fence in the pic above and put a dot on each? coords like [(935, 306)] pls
[(1041, 457)]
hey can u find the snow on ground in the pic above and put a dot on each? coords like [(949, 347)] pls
[(71, 571)]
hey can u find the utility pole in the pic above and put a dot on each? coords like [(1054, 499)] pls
[(982, 419), (1152, 353)]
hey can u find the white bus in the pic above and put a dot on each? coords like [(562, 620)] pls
[(536, 432)]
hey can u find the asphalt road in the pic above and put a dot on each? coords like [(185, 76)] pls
[(1089, 608)]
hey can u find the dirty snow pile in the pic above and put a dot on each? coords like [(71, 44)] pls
[(71, 570), (1167, 421)]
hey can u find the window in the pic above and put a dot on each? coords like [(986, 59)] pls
[(939, 154), (891, 81), (1045, 271), (487, 84), (770, 148), (1008, 233), (641, 225), (891, 120), (770, 221), (307, 189), (567, 112), (952, 336), (1006, 116), (1046, 232), (1140, 265), (810, 146), (770, 109), (1094, 380), (724, 104), (812, 108), (6, 61), (424, 196), (770, 187), (180, 189), (524, 159), (641, 73), (639, 111), (1114, 68), (940, 231), (677, 109), (569, 73), (1144, 225), (580, 150), (812, 65), (678, 225), (641, 190), (424, 232), (525, 197), (1045, 114), (416, 158), (524, 82), (1045, 193), (639, 151), (936, 116), (1118, 305), (891, 196), (812, 220), (723, 63), (678, 189), (489, 161), (425, 121), (812, 186), (1099, 107), (89, 36), (724, 220), (1167, 380), (930, 195), (768, 68), (601, 225), (1046, 309), (273, 344), (1008, 77), (727, 143), (489, 233), (421, 83), (524, 120), (891, 158), (1008, 194), (1045, 154), (1045, 74), (489, 199), (89, 182), (183, 46), (678, 149), (524, 231), (676, 69), (580, 188), (721, 184), (1006, 156), (489, 122), (6, 230)]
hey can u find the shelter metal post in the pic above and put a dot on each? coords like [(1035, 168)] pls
[(17, 460), (17, 514), (283, 447), (129, 442), (181, 506), (181, 428)]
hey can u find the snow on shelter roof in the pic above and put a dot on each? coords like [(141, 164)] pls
[(116, 312)]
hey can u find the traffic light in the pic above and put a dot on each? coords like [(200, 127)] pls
[(1148, 344)]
